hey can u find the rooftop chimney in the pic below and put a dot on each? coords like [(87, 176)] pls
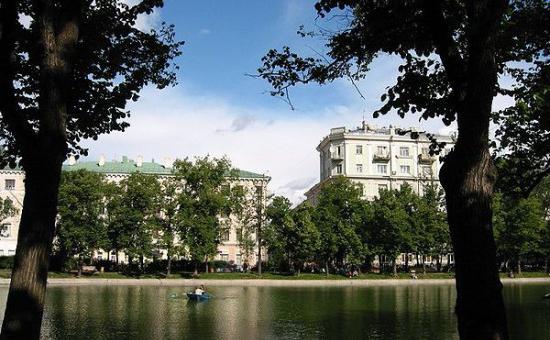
[(101, 161), (139, 161), (72, 160)]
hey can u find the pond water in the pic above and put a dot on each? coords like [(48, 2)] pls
[(403, 312)]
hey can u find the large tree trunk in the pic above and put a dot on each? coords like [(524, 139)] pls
[(25, 304), (43, 151), (468, 176), (469, 187)]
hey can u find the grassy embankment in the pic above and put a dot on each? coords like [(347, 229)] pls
[(5, 273)]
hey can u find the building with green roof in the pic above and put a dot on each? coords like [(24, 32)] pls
[(12, 181)]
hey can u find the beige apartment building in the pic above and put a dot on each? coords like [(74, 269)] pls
[(12, 187), (380, 158)]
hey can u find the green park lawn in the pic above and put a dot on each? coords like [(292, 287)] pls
[(5, 273)]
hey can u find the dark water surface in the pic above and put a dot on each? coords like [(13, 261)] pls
[(404, 312)]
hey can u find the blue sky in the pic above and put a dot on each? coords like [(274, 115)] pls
[(216, 109)]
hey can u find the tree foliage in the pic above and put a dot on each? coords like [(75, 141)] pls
[(108, 63), (81, 226), (137, 217), (338, 213), (201, 202), (523, 135)]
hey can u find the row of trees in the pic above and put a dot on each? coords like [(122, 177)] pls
[(184, 214), (343, 229), (522, 228)]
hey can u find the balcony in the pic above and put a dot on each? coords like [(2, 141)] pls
[(381, 157), (425, 159), (336, 156)]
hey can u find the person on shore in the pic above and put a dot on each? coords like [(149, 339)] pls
[(200, 290)]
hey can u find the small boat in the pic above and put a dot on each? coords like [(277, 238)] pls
[(546, 296), (198, 297)]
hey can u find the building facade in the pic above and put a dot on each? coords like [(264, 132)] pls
[(378, 158), (381, 159), (13, 187)]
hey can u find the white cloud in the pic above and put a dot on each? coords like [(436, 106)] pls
[(205, 31), (176, 124)]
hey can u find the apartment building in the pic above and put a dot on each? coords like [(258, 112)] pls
[(378, 158), (12, 187)]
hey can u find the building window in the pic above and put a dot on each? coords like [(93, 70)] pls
[(382, 168), (405, 169), (2, 252), (427, 171), (6, 230), (381, 150), (404, 151), (10, 184), (359, 168), (339, 168), (224, 257), (225, 235), (259, 191), (382, 187), (239, 259), (359, 149), (339, 150), (362, 188)]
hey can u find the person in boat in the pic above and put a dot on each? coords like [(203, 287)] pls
[(200, 290)]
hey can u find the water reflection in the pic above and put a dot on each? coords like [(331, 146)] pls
[(407, 312)]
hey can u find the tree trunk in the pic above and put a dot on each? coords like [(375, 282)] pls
[(407, 262), (546, 265), (468, 176), (142, 263), (196, 271), (206, 266), (326, 268), (25, 304), (394, 266), (80, 264), (519, 267), (259, 240), (169, 264), (424, 264), (438, 263)]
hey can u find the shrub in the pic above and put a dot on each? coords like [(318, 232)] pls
[(6, 262)]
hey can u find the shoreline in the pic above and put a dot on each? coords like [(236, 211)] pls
[(264, 282)]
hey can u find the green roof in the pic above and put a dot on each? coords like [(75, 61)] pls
[(128, 166), (248, 174), (115, 167)]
